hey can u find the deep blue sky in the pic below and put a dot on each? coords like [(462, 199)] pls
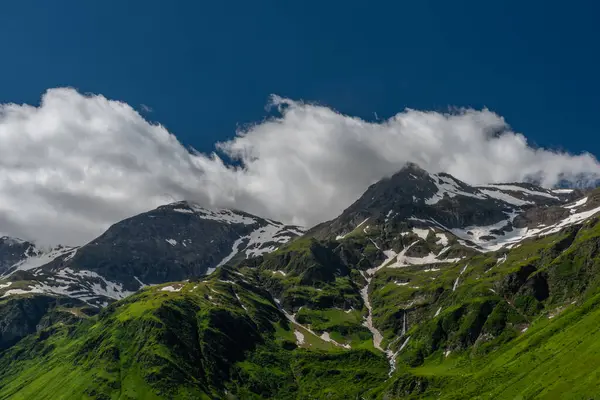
[(206, 66)]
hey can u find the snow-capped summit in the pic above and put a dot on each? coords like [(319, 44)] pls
[(483, 218)]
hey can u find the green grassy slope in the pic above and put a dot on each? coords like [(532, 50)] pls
[(522, 326), (205, 340), (554, 358)]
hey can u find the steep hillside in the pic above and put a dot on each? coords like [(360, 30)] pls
[(209, 339)]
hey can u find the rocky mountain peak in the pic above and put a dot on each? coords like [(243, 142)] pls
[(173, 242), (481, 217)]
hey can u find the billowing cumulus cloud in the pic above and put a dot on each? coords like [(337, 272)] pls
[(76, 164)]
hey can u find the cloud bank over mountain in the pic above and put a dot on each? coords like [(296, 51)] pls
[(77, 163)]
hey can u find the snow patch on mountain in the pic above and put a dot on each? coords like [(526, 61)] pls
[(85, 285), (516, 188), (563, 191), (422, 233), (577, 204), (142, 284), (442, 239), (402, 260), (447, 186), (183, 210), (324, 336), (505, 197), (267, 239), (462, 271), (222, 215), (573, 219), (299, 337), (40, 258), (485, 238), (264, 239), (21, 291), (389, 215), (171, 288), (340, 237), (235, 249)]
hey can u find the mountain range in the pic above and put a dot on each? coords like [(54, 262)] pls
[(424, 287)]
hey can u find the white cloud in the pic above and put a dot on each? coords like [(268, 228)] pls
[(75, 164)]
